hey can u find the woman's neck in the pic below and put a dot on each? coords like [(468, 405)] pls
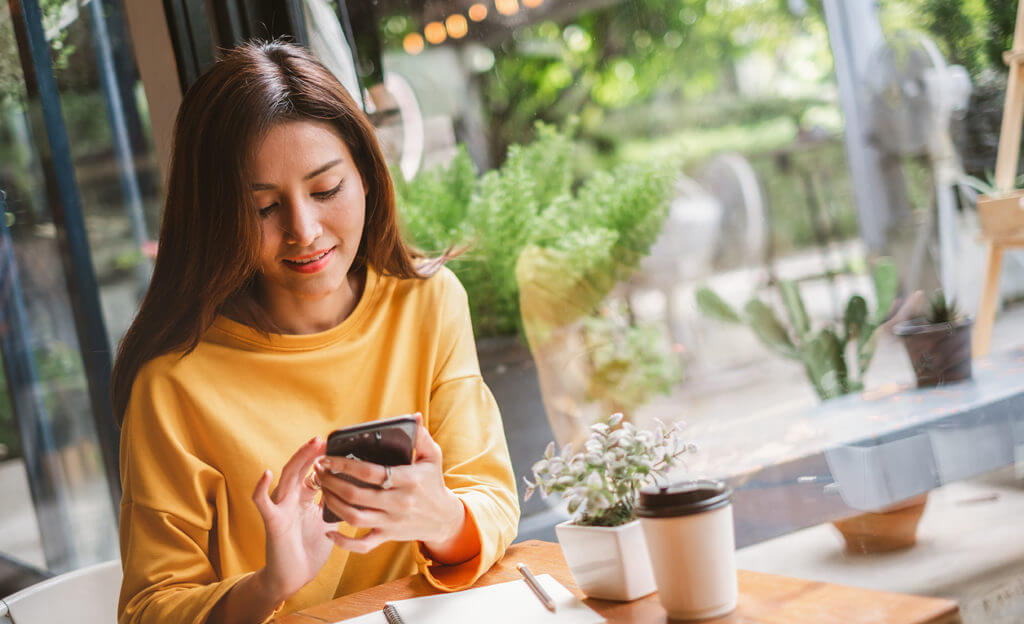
[(297, 316)]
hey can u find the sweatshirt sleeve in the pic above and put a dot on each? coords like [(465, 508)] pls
[(167, 512), (464, 420)]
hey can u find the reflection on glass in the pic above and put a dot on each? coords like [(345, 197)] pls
[(46, 425)]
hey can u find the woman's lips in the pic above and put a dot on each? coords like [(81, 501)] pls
[(311, 263)]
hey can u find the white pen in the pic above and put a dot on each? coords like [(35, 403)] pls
[(534, 585)]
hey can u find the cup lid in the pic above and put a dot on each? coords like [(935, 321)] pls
[(682, 499)]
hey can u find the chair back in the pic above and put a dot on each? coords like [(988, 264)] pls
[(85, 596)]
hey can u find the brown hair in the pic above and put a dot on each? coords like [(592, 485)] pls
[(210, 233)]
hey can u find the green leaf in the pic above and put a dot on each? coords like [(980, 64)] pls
[(886, 280), (855, 319), (769, 328), (795, 310), (823, 358), (713, 306), (865, 352)]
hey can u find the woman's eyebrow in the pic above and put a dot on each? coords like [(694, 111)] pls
[(260, 186)]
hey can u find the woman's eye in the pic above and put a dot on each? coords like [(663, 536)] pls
[(329, 193), (265, 211)]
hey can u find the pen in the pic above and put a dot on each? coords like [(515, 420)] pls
[(531, 580)]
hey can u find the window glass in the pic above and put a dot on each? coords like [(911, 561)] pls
[(61, 514), (717, 211)]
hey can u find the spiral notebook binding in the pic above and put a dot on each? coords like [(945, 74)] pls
[(392, 616)]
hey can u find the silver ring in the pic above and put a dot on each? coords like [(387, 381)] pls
[(386, 484)]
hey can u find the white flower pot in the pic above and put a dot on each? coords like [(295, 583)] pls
[(608, 562)]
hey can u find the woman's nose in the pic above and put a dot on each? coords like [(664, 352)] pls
[(303, 224)]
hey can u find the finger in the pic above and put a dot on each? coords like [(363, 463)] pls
[(260, 494), (310, 487), (367, 472), (360, 545), (359, 518), (298, 465), (352, 493), (426, 449)]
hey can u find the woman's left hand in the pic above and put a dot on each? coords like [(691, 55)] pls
[(417, 506)]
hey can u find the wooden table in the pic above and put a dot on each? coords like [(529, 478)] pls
[(764, 598)]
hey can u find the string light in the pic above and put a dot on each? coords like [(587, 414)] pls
[(478, 12), (532, 4), (435, 33), (457, 26), (507, 7), (413, 43)]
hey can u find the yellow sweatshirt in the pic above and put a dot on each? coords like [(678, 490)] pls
[(200, 430)]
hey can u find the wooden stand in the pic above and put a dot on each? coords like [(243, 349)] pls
[(1002, 217)]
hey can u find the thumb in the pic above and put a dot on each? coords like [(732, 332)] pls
[(426, 449), (261, 494)]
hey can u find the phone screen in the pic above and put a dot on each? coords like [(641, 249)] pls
[(387, 446), (387, 442)]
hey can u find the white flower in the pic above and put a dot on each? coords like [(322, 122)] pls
[(614, 463)]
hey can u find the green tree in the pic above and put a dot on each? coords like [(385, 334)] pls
[(12, 81), (616, 57)]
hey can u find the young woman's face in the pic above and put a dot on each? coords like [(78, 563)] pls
[(312, 203)]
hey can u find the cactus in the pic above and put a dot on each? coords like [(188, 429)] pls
[(824, 352)]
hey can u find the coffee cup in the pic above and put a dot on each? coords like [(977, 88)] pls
[(689, 532)]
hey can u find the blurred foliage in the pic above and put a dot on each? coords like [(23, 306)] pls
[(596, 231), (835, 357), (669, 52), (975, 34), (630, 363), (60, 374), (12, 82)]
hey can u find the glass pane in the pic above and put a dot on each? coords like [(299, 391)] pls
[(752, 110), (61, 516), (114, 164)]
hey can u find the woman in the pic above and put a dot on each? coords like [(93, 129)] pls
[(284, 305)]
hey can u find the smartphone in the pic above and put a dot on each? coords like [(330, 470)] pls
[(387, 442)]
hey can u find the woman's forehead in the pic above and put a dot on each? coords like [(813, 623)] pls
[(294, 149)]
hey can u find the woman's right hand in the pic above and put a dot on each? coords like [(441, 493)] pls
[(297, 544)]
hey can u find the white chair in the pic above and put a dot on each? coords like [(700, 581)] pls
[(85, 596)]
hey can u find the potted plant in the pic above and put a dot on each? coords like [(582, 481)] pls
[(603, 542), (835, 358), (939, 343), (595, 231)]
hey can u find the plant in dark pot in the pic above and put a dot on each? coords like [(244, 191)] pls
[(939, 343), (835, 358)]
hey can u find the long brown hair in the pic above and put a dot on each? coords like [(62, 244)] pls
[(210, 233)]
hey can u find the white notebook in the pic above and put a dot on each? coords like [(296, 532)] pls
[(504, 603)]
